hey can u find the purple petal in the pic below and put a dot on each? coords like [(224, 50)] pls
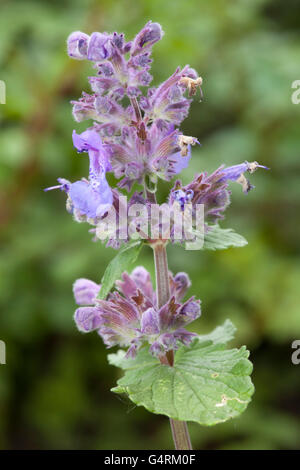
[(186, 337), (167, 340), (88, 140), (149, 322), (87, 319), (180, 284), (91, 142), (89, 200), (98, 48), (236, 173), (85, 291), (156, 349), (149, 35), (189, 312)]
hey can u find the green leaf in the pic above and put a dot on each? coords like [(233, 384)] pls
[(221, 334), (220, 238), (208, 384), (120, 263)]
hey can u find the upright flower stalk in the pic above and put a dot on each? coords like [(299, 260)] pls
[(135, 134), (179, 429)]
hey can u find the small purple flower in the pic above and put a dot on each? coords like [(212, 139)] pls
[(183, 197), (149, 35), (91, 142), (94, 197), (98, 47), (179, 285), (88, 319), (149, 322), (210, 190), (85, 291), (236, 173), (130, 317), (167, 102), (77, 44)]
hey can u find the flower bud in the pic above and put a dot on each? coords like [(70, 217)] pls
[(77, 44)]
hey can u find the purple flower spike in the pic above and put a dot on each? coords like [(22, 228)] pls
[(140, 139), (85, 291), (77, 44)]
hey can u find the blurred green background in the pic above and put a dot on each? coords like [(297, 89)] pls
[(54, 389)]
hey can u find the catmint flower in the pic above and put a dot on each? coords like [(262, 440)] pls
[(138, 142), (236, 173), (149, 35), (130, 317), (179, 285), (212, 190), (166, 102), (78, 45), (90, 198), (91, 142), (99, 47), (116, 75), (85, 291), (158, 154)]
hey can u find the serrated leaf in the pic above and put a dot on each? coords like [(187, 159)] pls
[(221, 238), (120, 263), (221, 334), (207, 384)]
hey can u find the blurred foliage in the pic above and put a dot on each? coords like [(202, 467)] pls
[(54, 390)]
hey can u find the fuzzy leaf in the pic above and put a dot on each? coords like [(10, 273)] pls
[(208, 383), (120, 263), (220, 238)]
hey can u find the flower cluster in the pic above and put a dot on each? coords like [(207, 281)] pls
[(135, 135), (212, 190), (130, 317)]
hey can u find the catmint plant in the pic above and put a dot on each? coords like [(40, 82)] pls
[(134, 133)]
